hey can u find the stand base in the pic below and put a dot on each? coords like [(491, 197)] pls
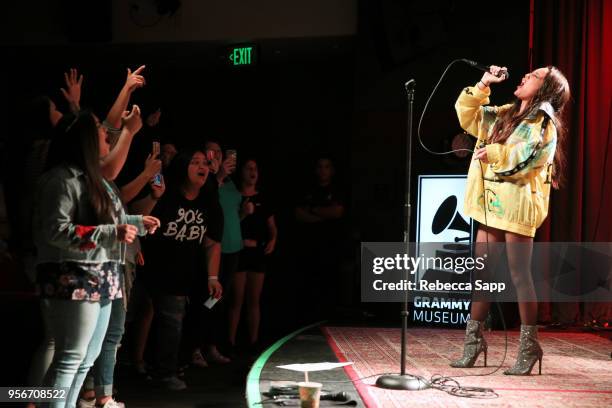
[(401, 382)]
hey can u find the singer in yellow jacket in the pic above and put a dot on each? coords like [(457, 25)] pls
[(516, 161), (517, 178)]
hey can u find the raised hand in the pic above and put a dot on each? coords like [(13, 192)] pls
[(491, 76), (152, 166), (227, 167), (132, 121), (157, 190), (72, 93), (134, 79)]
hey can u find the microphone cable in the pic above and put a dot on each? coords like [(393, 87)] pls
[(428, 150)]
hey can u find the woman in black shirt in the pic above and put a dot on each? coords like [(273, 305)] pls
[(190, 232), (259, 238)]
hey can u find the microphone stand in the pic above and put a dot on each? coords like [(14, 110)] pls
[(403, 381)]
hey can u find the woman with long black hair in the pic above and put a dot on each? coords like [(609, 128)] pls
[(184, 256), (80, 232), (519, 156)]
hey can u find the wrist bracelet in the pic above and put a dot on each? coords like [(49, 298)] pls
[(483, 84), (213, 278), (110, 128)]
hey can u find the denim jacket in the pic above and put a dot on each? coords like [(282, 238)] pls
[(64, 226)]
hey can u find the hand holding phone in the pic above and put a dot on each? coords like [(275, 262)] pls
[(229, 164), (156, 149), (157, 180), (211, 301)]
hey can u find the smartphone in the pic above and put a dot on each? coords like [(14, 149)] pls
[(157, 180), (155, 151), (231, 153), (210, 156), (211, 302)]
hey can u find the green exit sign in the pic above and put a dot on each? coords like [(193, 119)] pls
[(243, 55)]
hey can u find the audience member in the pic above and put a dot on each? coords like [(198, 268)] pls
[(319, 213), (80, 234), (174, 259), (259, 236)]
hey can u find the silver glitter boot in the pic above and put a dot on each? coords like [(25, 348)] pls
[(473, 345), (529, 352)]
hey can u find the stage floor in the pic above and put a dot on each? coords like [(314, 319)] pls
[(576, 370)]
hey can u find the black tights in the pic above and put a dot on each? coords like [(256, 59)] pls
[(519, 263)]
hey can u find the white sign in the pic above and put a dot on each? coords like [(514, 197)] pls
[(440, 218)]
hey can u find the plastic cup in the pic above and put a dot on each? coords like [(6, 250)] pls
[(310, 394)]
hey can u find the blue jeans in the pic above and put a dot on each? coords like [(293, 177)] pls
[(100, 378), (169, 313), (42, 358), (78, 328)]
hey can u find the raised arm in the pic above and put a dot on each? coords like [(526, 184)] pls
[(146, 204), (113, 163), (152, 166), (72, 93), (133, 81)]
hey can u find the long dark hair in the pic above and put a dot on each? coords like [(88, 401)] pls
[(554, 90), (176, 175), (238, 178), (79, 146)]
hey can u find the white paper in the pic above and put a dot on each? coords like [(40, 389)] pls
[(314, 366)]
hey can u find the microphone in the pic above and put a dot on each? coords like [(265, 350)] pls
[(484, 68)]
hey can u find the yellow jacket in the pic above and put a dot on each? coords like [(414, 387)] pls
[(517, 180)]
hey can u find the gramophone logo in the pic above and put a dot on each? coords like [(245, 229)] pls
[(440, 219), (448, 220)]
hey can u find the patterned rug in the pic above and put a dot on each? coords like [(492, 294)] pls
[(576, 368)]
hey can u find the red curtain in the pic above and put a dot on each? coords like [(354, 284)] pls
[(576, 37)]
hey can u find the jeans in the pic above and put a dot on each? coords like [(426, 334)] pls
[(101, 376), (43, 356), (78, 328), (169, 313)]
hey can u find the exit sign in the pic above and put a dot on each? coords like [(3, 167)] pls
[(242, 55)]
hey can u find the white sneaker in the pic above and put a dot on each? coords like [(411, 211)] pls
[(198, 360), (86, 403), (173, 383), (214, 356), (111, 403)]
